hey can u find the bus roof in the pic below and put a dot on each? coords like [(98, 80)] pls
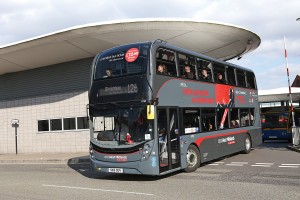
[(222, 41)]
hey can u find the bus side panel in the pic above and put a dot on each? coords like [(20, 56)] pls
[(229, 144), (208, 150)]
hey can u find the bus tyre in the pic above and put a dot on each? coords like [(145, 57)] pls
[(193, 159), (247, 145)]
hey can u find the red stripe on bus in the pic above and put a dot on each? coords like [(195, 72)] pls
[(200, 140)]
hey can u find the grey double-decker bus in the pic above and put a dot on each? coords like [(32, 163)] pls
[(155, 108)]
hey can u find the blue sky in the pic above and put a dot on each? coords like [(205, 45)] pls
[(271, 20)]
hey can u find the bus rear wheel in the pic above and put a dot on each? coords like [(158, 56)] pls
[(247, 145), (193, 159)]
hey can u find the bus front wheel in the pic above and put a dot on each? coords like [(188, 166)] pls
[(193, 159), (247, 145)]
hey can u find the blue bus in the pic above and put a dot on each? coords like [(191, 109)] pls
[(277, 122), (155, 108)]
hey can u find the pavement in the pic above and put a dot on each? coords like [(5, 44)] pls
[(46, 158)]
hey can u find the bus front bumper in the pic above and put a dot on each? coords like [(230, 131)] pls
[(147, 167)]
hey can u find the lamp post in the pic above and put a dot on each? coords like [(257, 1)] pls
[(15, 123)]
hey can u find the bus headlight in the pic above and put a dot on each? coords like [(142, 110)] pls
[(91, 151), (147, 150)]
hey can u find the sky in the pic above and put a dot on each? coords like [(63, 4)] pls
[(270, 20)]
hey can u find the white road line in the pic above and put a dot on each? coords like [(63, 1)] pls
[(94, 189), (289, 166), (235, 165), (292, 164), (261, 165), (219, 162), (264, 163), (214, 164), (242, 163)]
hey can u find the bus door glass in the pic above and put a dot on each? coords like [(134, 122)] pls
[(169, 139)]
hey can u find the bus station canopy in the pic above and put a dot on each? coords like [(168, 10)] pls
[(278, 95), (222, 41)]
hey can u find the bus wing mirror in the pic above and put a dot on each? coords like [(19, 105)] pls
[(150, 111)]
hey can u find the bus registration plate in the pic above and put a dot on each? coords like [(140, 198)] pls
[(115, 170)]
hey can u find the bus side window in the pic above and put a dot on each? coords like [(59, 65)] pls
[(222, 115), (187, 66), (167, 58), (240, 74), (208, 119), (191, 120), (234, 118), (204, 70), (250, 80), (219, 74), (230, 75)]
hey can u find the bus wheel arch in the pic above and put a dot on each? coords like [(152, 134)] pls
[(193, 158), (247, 144)]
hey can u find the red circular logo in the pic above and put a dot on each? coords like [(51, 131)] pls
[(132, 54)]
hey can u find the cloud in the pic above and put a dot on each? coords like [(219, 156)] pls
[(24, 19)]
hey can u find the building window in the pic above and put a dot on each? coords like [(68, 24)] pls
[(43, 125), (55, 125), (64, 124), (82, 123), (69, 123)]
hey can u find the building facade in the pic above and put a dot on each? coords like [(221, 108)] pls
[(50, 104)]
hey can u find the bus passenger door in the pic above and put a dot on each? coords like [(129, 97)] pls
[(169, 138)]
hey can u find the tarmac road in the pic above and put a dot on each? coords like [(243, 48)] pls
[(269, 172)]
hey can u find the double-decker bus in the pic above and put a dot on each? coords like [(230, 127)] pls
[(155, 108), (276, 120)]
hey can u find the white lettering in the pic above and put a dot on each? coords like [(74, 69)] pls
[(227, 139)]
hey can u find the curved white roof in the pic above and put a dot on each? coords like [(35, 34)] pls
[(278, 94), (217, 40)]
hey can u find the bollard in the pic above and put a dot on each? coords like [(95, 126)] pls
[(296, 135)]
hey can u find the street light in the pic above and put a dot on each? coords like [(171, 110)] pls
[(15, 123)]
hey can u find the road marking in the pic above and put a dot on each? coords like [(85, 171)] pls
[(290, 165), (241, 164), (262, 165), (216, 163), (232, 164), (94, 189)]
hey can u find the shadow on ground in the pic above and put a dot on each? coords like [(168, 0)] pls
[(274, 144), (82, 166)]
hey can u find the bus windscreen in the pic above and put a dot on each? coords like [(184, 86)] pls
[(122, 61)]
